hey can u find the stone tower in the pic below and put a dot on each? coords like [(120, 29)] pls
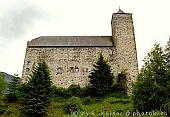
[(71, 58), (124, 41)]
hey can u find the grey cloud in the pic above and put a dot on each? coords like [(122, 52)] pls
[(17, 20)]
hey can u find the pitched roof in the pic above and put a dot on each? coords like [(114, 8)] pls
[(70, 41)]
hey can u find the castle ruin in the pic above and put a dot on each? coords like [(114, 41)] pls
[(71, 58)]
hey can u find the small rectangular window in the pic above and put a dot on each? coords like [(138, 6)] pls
[(86, 69), (110, 51), (27, 69), (59, 70), (76, 69), (72, 69)]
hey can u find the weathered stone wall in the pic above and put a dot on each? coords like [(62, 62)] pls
[(72, 63), (124, 40), (68, 65)]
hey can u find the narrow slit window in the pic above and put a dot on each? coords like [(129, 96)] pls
[(110, 51)]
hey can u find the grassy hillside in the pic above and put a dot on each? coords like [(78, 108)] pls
[(110, 106)]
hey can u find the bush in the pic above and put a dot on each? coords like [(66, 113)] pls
[(120, 95), (118, 87), (86, 91), (8, 112), (87, 100), (74, 90), (3, 107), (73, 105), (60, 92)]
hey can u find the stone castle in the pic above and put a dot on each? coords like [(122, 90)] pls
[(71, 58)]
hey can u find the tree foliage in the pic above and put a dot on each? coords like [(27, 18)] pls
[(167, 53), (101, 78), (13, 89), (35, 95), (74, 90), (151, 91), (2, 83), (73, 105)]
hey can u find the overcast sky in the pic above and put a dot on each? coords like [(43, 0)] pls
[(23, 20)]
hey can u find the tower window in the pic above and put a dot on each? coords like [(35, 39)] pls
[(72, 69), (76, 69), (28, 62), (27, 69), (86, 69), (59, 70), (110, 51)]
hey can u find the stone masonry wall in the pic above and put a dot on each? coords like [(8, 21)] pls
[(124, 40), (68, 65)]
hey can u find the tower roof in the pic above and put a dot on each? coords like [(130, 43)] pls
[(120, 11)]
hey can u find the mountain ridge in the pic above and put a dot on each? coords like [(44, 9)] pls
[(8, 76)]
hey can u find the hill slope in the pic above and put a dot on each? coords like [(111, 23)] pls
[(8, 77)]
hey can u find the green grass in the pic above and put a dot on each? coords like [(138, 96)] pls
[(110, 106)]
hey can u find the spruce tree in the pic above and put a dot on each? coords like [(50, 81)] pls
[(35, 95), (101, 78), (151, 91), (13, 89)]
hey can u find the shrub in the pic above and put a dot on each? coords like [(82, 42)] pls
[(74, 90), (87, 100), (60, 92), (86, 91), (73, 105), (120, 95), (118, 87), (3, 107), (8, 112)]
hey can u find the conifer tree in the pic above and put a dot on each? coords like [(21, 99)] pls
[(35, 95), (151, 91), (101, 78), (13, 89)]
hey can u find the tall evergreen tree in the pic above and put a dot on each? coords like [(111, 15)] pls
[(13, 89), (35, 95), (101, 78), (151, 91)]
